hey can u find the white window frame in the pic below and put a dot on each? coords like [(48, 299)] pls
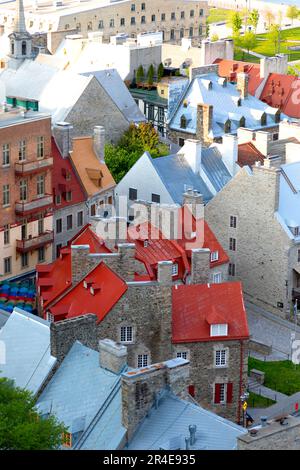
[(175, 269), (214, 256), (142, 360), (220, 357), (219, 329), (217, 278), (223, 393), (50, 317), (126, 334), (183, 354), (233, 221)]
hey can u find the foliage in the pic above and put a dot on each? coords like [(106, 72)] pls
[(292, 13), (269, 17), (258, 401), (21, 427), (249, 41), (254, 18), (282, 376), (217, 15), (214, 38), (160, 71), (136, 140), (293, 71), (140, 74), (274, 37), (235, 22), (207, 29), (150, 75)]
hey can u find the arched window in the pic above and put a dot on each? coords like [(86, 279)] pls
[(12, 47), (183, 122), (24, 48)]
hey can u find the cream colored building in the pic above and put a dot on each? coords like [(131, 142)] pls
[(175, 18)]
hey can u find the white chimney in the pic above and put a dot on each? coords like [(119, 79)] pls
[(192, 153), (99, 142), (62, 132), (229, 151)]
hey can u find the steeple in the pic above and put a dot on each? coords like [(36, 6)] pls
[(20, 39), (20, 26)]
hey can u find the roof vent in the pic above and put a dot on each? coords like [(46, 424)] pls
[(187, 443), (192, 430), (253, 432), (263, 421)]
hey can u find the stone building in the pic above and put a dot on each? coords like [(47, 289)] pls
[(26, 234), (256, 217)]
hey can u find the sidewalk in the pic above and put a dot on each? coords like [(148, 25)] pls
[(266, 392)]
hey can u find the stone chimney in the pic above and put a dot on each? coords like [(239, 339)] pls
[(242, 84), (200, 266), (204, 123), (164, 272), (112, 355), (193, 201), (79, 261), (143, 388), (192, 153), (229, 151), (99, 142), (62, 132), (64, 333)]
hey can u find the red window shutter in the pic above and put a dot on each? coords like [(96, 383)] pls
[(191, 390), (229, 392), (217, 393)]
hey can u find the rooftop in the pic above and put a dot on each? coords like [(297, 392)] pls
[(280, 92), (16, 116), (248, 155), (230, 68)]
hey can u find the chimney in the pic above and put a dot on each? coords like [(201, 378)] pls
[(192, 153), (127, 265), (242, 84), (263, 141), (200, 266), (79, 260), (99, 142), (229, 151), (164, 272), (112, 355), (204, 123), (193, 200), (263, 421), (142, 389), (62, 132)]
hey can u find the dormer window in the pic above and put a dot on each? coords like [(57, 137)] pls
[(263, 119), (214, 256), (185, 103), (146, 243), (219, 329), (242, 122), (183, 122), (227, 126)]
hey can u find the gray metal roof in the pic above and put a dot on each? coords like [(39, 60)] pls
[(4, 316), (27, 344), (81, 392), (167, 426), (215, 169), (177, 176)]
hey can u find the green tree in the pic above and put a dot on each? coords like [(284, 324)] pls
[(292, 13), (254, 19), (235, 22), (249, 41), (269, 17), (293, 71), (21, 427), (150, 75), (136, 140), (214, 38), (139, 74), (207, 29), (160, 71), (274, 37)]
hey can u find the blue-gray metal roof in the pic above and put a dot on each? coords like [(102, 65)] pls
[(82, 392), (214, 167), (167, 426), (4, 316), (177, 176), (27, 344)]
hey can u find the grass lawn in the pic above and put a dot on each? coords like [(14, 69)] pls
[(217, 15), (257, 401), (283, 376)]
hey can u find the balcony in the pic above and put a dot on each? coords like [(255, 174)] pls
[(29, 244), (36, 166), (32, 207)]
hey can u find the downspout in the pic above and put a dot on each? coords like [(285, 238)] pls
[(241, 382)]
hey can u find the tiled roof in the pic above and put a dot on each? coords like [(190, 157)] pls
[(104, 288), (61, 168), (280, 91), (248, 154), (196, 307), (230, 68), (87, 166)]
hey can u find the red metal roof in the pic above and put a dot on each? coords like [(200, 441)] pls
[(248, 154), (108, 289), (230, 68), (282, 91), (62, 167), (197, 306)]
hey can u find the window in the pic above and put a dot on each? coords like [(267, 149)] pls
[(111, 23), (58, 248), (100, 24), (192, 13), (142, 360), (143, 19), (223, 393), (58, 199), (132, 20), (24, 231), (200, 30), (232, 244), (173, 16), (6, 195), (122, 22), (50, 317), (67, 439), (191, 390), (153, 18), (22, 150), (93, 209), (24, 48), (79, 219), (89, 26), (155, 198), (5, 154), (143, 6), (175, 269), (40, 146), (69, 196), (201, 12), (69, 222), (181, 142), (183, 122), (132, 7), (41, 226), (59, 226), (220, 357), (6, 234), (67, 26), (217, 278), (24, 260), (132, 194), (163, 17), (68, 176), (214, 256), (231, 269), (78, 27), (172, 34), (7, 265), (40, 185), (219, 329), (182, 15), (191, 32), (126, 334), (182, 354), (23, 190), (41, 254), (233, 221)]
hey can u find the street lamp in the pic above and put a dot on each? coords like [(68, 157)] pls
[(243, 399)]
